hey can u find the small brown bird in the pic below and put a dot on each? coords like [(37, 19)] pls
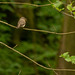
[(21, 22)]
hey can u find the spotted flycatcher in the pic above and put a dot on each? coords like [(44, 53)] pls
[(21, 22)]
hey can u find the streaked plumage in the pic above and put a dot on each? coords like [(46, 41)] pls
[(21, 22)]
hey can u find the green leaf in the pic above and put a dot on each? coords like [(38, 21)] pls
[(65, 55), (74, 13), (73, 8), (68, 58), (73, 59), (57, 4), (60, 9), (69, 7)]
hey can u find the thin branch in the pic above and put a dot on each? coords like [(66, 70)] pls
[(67, 14), (19, 72), (35, 61), (15, 46), (54, 28), (65, 33), (18, 3), (50, 2), (8, 24), (70, 1), (53, 70)]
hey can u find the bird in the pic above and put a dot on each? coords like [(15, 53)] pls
[(21, 22)]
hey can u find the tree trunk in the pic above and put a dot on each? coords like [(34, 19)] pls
[(67, 44)]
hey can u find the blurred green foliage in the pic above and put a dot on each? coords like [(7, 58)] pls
[(71, 8), (68, 58), (43, 50)]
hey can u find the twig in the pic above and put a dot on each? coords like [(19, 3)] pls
[(15, 46), (53, 70), (54, 28), (35, 61), (67, 14), (19, 72), (70, 1), (24, 3), (50, 2)]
